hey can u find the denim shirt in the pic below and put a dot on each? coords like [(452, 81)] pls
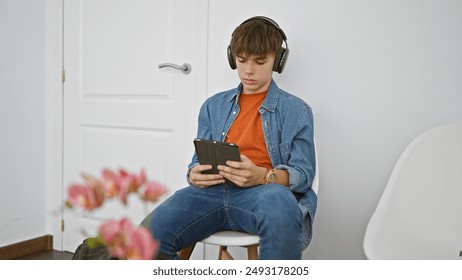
[(287, 123)]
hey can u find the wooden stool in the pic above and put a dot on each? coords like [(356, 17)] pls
[(225, 239)]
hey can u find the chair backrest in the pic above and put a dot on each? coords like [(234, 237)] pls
[(315, 183), (419, 215)]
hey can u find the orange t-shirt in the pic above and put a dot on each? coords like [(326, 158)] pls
[(247, 132)]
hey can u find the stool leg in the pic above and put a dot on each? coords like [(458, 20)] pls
[(252, 252), (223, 253), (186, 252)]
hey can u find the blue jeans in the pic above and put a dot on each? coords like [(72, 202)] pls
[(192, 214)]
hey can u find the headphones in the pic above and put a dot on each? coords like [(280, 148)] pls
[(281, 56)]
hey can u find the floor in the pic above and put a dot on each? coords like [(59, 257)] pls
[(47, 255)]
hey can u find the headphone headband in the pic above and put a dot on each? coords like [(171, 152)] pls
[(267, 19)]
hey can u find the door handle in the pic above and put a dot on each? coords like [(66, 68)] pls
[(185, 68)]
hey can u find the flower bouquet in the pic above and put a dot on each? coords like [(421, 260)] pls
[(122, 239)]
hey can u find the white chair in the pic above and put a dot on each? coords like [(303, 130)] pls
[(225, 239), (419, 215)]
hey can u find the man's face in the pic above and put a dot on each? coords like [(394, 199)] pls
[(255, 72)]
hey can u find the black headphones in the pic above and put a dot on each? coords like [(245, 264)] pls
[(281, 56)]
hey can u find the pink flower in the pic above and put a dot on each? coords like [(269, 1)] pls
[(114, 234), (141, 245), (129, 182), (139, 179), (122, 238), (85, 196), (125, 185), (109, 181), (122, 183), (153, 191), (125, 241), (109, 231)]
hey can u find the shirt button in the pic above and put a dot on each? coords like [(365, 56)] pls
[(234, 113), (223, 133)]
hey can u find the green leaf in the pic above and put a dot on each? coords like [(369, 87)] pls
[(94, 242)]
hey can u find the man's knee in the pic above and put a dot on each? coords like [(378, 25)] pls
[(278, 205), (278, 196)]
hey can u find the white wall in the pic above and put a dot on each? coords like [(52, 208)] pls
[(376, 73), (22, 120)]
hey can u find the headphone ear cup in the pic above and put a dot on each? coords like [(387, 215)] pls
[(231, 59), (280, 60)]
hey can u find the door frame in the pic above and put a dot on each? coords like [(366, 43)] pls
[(54, 120), (55, 79)]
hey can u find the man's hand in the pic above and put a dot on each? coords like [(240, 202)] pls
[(243, 173), (204, 180)]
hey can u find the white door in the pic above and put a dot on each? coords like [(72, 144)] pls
[(120, 108)]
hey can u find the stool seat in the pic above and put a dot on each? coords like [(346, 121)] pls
[(231, 238), (224, 239)]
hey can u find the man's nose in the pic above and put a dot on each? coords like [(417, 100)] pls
[(248, 69)]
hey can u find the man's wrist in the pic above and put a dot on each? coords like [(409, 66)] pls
[(263, 177), (270, 177)]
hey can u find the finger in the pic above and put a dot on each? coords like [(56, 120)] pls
[(233, 164), (204, 167), (234, 175), (206, 184), (243, 164), (245, 158), (205, 177)]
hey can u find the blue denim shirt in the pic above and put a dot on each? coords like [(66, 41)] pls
[(287, 123)]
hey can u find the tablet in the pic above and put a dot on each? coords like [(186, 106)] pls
[(215, 153)]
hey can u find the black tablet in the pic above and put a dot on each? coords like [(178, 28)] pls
[(215, 153)]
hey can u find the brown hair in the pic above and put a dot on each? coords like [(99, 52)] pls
[(256, 37)]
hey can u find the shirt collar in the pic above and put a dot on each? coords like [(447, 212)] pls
[(271, 99)]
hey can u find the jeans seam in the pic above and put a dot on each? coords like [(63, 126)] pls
[(197, 221), (226, 207), (231, 222)]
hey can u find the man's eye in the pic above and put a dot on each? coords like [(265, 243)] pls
[(261, 62)]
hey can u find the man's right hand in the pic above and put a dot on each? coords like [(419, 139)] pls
[(204, 180)]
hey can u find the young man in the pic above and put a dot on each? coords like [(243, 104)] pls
[(274, 131)]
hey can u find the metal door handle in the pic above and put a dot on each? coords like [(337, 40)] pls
[(185, 68)]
